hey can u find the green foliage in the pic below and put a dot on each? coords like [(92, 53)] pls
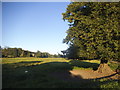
[(72, 52), (19, 52), (10, 52), (94, 29), (38, 54)]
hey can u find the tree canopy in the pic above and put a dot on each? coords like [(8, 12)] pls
[(93, 29)]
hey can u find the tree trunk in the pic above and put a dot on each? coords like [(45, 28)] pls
[(104, 68)]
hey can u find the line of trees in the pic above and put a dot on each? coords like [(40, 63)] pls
[(19, 52)]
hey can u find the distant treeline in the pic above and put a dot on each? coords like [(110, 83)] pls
[(19, 52)]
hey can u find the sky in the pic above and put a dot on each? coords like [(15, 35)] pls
[(34, 26), (0, 23)]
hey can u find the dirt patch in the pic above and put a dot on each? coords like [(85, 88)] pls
[(90, 74), (76, 75)]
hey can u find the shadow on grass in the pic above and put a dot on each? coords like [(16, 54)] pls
[(28, 62), (107, 76), (82, 64), (46, 75)]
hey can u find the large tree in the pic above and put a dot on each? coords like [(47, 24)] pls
[(94, 29), (38, 54)]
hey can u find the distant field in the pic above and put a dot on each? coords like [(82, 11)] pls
[(38, 73), (28, 59)]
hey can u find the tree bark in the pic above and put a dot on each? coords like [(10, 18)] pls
[(104, 68)]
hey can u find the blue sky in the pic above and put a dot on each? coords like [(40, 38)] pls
[(34, 26)]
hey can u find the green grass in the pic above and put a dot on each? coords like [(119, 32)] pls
[(16, 60), (113, 66), (40, 72), (109, 83), (85, 64)]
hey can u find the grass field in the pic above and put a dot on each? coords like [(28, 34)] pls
[(37, 73)]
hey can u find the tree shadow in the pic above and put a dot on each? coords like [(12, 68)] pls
[(28, 62), (82, 64), (107, 76)]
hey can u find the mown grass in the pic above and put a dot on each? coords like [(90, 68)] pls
[(40, 72)]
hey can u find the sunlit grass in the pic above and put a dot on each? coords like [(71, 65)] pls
[(44, 60), (30, 61), (82, 68), (92, 61)]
